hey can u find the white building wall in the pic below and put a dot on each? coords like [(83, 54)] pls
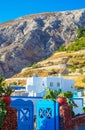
[(39, 83), (54, 81), (67, 85), (29, 83), (36, 85)]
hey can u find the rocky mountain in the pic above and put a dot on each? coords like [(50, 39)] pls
[(31, 38)]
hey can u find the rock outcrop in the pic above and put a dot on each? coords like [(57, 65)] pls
[(29, 39)]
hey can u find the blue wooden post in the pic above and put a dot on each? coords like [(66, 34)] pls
[(25, 114), (47, 115), (57, 121)]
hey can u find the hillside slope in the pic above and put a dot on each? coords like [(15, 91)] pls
[(31, 38), (70, 65)]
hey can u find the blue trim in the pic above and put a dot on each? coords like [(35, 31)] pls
[(18, 87), (25, 97)]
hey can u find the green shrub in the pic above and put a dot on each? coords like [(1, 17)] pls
[(51, 94), (81, 32), (78, 44), (62, 48), (52, 72), (83, 80), (83, 109), (81, 71), (72, 68), (70, 56)]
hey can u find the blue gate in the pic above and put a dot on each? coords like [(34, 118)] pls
[(25, 114), (47, 115)]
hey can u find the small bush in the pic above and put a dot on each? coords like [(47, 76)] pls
[(62, 48), (81, 71), (83, 80), (52, 72), (81, 32)]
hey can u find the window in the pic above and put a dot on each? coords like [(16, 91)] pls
[(58, 84), (72, 86), (51, 84), (43, 84)]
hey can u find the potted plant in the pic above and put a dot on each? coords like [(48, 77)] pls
[(5, 91), (61, 99), (6, 96), (68, 95), (66, 98)]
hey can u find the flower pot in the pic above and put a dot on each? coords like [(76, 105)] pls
[(6, 99), (61, 100)]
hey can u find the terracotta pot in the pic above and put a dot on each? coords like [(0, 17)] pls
[(61, 100), (6, 99)]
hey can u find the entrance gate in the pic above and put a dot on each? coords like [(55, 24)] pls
[(25, 114), (47, 115)]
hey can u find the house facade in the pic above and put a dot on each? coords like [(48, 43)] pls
[(36, 86)]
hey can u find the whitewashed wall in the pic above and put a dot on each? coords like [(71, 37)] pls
[(39, 84)]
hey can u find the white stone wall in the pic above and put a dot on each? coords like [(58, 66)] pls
[(67, 85)]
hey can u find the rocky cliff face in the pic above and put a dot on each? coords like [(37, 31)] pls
[(31, 38)]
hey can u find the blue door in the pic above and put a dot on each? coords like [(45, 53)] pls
[(25, 113), (47, 115)]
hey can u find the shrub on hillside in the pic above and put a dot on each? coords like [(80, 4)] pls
[(81, 32), (62, 48), (52, 72), (81, 71), (83, 80)]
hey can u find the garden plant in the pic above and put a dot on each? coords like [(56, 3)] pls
[(5, 92)]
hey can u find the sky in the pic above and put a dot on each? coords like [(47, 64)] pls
[(12, 9)]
